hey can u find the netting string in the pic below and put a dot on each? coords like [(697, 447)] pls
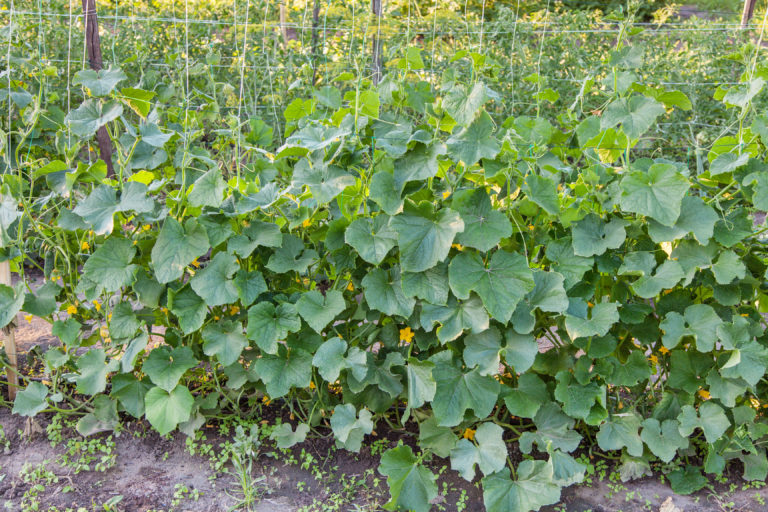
[(538, 62), (242, 81)]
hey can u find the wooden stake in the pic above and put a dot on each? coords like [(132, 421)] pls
[(10, 338), (746, 14), (315, 23), (93, 46), (289, 33)]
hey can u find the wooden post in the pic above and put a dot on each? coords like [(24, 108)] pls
[(376, 50), (10, 338), (289, 33), (93, 46), (315, 23), (746, 14)]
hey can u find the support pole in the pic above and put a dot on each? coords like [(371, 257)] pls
[(315, 23), (93, 46), (376, 53), (289, 33), (10, 338), (746, 14)]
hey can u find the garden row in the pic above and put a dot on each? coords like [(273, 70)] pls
[(400, 256)]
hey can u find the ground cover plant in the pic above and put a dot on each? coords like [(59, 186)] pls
[(399, 254)]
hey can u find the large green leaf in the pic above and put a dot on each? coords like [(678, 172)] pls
[(124, 322), (165, 410), (31, 400), (287, 369), (700, 321), (458, 391), (726, 389), (548, 293), (663, 438), (208, 189), (635, 369), (437, 439), (348, 429), (489, 454), (462, 105), (267, 324), (748, 361), (411, 485), (249, 285), (533, 488), (166, 366), (455, 317), (520, 350), (319, 310), (657, 193), (110, 265), (130, 392), (695, 217), (392, 136), (93, 369), (256, 234), (592, 236), (529, 395), (741, 95), (99, 208), (286, 437), (726, 163), (554, 429), (189, 308), (621, 431), (635, 115), (579, 399), (501, 283), (92, 115), (419, 163), (330, 359), (214, 283), (176, 247), (291, 256), (430, 285), (325, 181), (482, 351), (11, 301), (134, 347), (484, 227), (385, 192), (759, 180), (474, 141), (710, 418), (651, 283), (543, 192), (99, 83), (425, 235), (225, 340), (728, 267), (421, 384), (601, 318), (372, 238), (566, 262), (383, 291)]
